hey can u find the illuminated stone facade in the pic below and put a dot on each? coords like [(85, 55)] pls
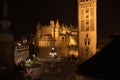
[(81, 42), (62, 38), (87, 26), (21, 52)]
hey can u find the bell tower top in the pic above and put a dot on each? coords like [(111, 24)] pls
[(86, 2)]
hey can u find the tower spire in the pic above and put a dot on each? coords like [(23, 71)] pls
[(5, 9), (39, 31), (38, 25)]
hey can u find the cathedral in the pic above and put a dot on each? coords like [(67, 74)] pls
[(60, 37), (79, 41)]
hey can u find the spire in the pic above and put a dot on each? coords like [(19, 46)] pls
[(39, 31), (57, 24), (38, 25), (5, 9)]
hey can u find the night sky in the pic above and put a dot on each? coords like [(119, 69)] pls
[(25, 15)]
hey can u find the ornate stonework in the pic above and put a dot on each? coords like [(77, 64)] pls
[(62, 38), (87, 25)]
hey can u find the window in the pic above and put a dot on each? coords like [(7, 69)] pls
[(87, 28), (87, 50), (86, 35), (88, 41), (87, 17), (87, 22), (87, 10), (63, 38)]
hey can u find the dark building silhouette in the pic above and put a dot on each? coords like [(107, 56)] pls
[(105, 65), (6, 48)]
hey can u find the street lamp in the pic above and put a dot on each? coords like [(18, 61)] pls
[(53, 53)]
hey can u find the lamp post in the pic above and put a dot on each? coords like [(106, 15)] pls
[(53, 53)]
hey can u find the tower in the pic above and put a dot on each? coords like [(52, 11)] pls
[(87, 25), (38, 31), (57, 30), (52, 25), (6, 48)]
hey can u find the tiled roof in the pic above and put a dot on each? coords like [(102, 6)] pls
[(105, 65)]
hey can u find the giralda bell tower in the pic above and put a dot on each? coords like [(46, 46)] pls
[(87, 25)]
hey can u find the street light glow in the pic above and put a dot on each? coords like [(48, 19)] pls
[(53, 53)]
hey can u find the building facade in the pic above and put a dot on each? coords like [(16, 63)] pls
[(81, 41), (21, 52), (87, 28), (62, 38)]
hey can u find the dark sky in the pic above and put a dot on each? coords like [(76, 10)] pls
[(25, 14)]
